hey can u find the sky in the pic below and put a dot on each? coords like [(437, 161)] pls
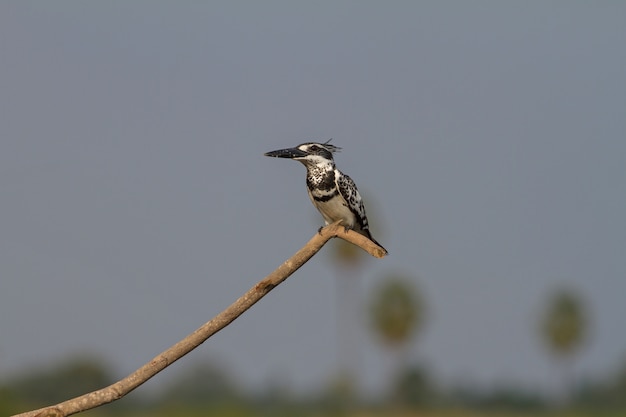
[(488, 139)]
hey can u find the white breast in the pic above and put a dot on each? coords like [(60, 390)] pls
[(335, 209)]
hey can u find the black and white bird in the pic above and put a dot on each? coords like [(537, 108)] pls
[(332, 192)]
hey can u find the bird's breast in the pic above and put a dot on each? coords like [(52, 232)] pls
[(332, 207)]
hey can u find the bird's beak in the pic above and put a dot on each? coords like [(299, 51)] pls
[(290, 153)]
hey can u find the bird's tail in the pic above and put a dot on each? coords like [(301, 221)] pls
[(367, 234)]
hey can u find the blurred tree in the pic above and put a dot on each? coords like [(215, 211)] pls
[(348, 260), (203, 384), (618, 386), (604, 394), (563, 329), (414, 387), (564, 323), (396, 311), (397, 314), (9, 404), (70, 378)]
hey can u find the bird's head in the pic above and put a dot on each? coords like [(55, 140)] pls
[(310, 153)]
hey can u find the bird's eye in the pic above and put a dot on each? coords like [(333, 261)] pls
[(315, 148)]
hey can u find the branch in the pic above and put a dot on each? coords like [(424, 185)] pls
[(122, 387)]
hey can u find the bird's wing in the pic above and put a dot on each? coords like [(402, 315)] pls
[(347, 189)]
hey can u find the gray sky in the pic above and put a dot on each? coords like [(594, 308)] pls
[(488, 137)]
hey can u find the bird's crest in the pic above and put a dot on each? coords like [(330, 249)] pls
[(331, 148)]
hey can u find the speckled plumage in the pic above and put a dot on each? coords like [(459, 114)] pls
[(332, 192)]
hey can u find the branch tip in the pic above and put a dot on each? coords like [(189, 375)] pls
[(336, 229)]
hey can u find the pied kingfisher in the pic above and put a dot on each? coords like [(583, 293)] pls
[(332, 192)]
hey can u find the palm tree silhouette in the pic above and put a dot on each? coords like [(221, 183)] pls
[(397, 314), (563, 329)]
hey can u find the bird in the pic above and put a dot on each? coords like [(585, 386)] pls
[(333, 193)]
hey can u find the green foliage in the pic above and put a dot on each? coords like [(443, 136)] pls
[(203, 385), (414, 388), (396, 311), (67, 379), (564, 324), (8, 402), (604, 394)]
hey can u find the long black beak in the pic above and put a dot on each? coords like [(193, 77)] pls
[(290, 153)]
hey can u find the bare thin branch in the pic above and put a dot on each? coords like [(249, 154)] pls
[(124, 386)]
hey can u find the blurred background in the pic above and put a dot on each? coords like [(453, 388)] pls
[(487, 138)]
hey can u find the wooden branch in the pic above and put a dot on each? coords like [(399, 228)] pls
[(119, 389)]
